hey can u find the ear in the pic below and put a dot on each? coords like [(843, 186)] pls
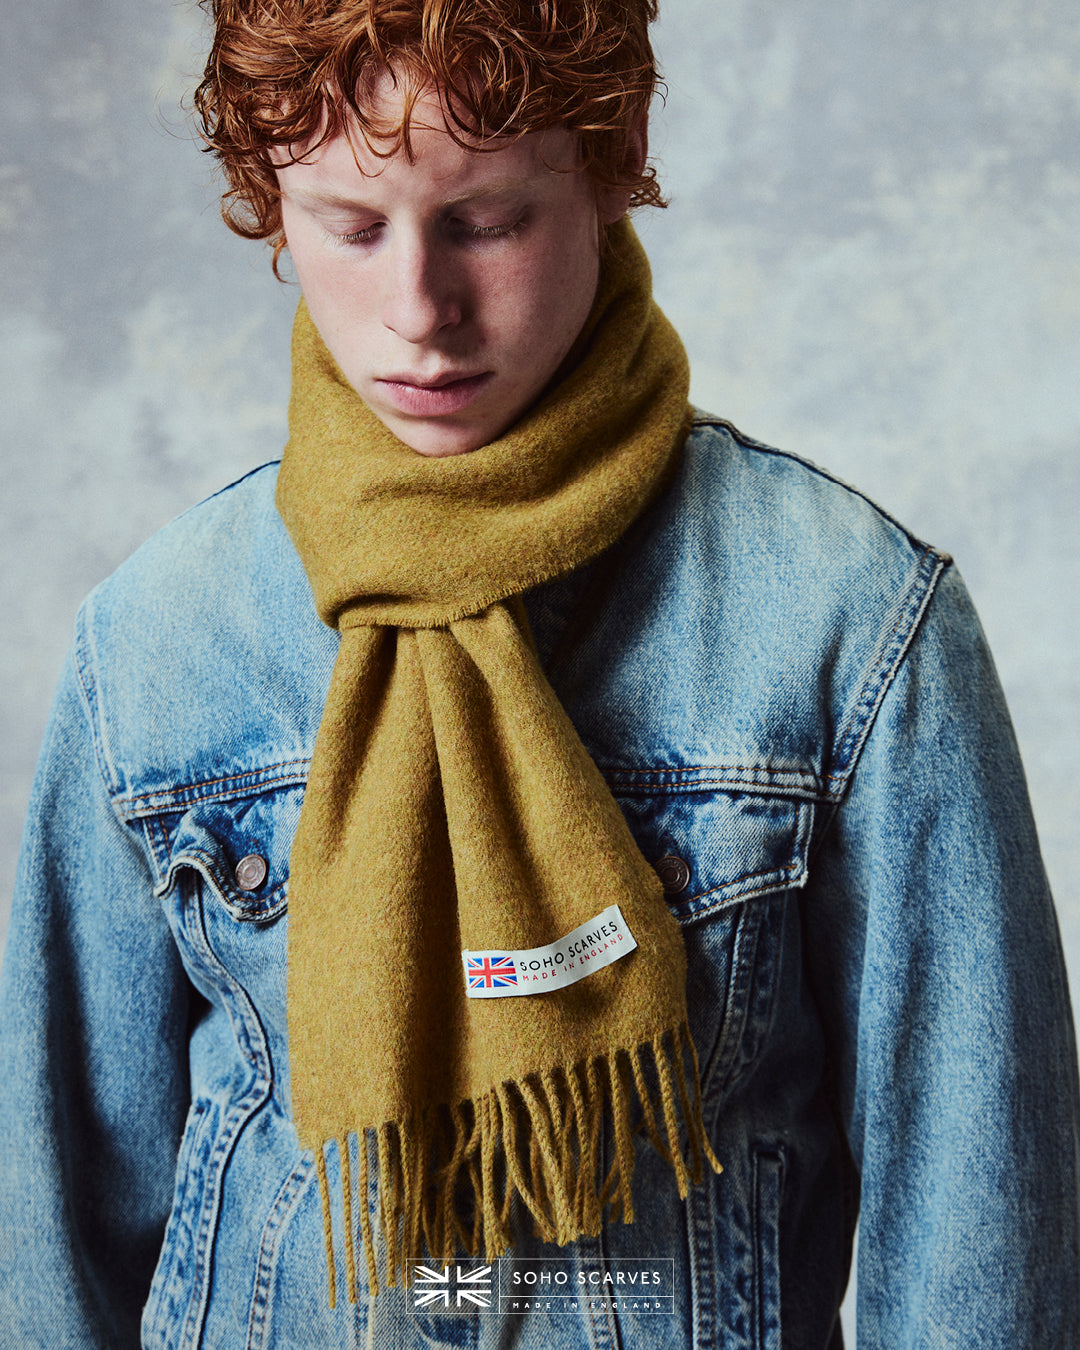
[(612, 203)]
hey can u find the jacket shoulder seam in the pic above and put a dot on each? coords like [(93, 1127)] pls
[(760, 447), (892, 650), (87, 685), (228, 487)]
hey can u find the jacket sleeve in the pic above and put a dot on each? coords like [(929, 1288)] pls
[(93, 1070), (939, 971)]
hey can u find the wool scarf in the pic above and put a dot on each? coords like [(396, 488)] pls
[(451, 807)]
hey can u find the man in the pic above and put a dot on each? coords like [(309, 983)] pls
[(512, 676)]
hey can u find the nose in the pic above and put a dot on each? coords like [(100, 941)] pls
[(423, 295)]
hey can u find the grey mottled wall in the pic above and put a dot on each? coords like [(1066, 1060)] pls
[(872, 254)]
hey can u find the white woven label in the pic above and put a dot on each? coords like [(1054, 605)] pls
[(506, 974)]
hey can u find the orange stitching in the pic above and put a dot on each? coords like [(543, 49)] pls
[(717, 768), (714, 782), (788, 869), (173, 807), (774, 790), (210, 782), (216, 879), (918, 597)]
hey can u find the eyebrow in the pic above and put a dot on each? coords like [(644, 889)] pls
[(315, 197)]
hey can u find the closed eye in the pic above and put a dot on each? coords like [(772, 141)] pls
[(506, 230), (477, 234), (462, 230), (364, 236)]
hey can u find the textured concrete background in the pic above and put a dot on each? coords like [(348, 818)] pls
[(872, 254)]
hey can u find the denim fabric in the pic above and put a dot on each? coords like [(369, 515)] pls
[(786, 691)]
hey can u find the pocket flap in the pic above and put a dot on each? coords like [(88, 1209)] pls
[(241, 847), (732, 845)]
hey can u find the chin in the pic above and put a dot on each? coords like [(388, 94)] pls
[(439, 439), (440, 445)]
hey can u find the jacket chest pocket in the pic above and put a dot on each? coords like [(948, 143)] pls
[(727, 861)]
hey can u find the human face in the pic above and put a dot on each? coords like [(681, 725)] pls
[(448, 289)]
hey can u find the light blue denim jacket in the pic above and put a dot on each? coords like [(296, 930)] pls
[(786, 692)]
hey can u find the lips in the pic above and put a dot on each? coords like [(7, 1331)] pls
[(431, 381), (434, 396)]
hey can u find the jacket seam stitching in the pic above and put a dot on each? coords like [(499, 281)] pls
[(749, 786), (714, 768), (165, 801), (192, 857), (852, 738), (787, 869), (83, 663), (83, 667), (789, 872), (760, 447)]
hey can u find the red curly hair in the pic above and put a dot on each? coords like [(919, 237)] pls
[(296, 72)]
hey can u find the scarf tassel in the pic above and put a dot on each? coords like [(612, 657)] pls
[(447, 1178)]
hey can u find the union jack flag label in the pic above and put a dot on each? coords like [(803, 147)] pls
[(538, 970), (490, 972)]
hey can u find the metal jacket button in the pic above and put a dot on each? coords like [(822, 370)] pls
[(674, 874), (250, 872)]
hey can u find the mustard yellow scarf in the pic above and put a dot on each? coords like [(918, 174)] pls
[(452, 807)]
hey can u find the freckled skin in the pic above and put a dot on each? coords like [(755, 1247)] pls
[(448, 289)]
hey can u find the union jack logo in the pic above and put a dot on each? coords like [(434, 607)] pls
[(437, 1290), (491, 972)]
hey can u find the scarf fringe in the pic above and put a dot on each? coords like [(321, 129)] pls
[(537, 1140)]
